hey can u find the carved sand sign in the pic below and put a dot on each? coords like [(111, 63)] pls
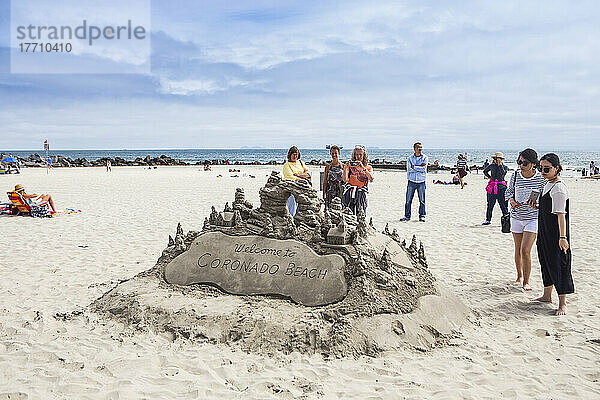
[(250, 265)]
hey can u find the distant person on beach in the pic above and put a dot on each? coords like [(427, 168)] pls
[(593, 168), (357, 175), (108, 165), (49, 163), (496, 188), (207, 167), (486, 163), (455, 181), (524, 218), (416, 173), (333, 182), (294, 170), (35, 199), (461, 169), (553, 240)]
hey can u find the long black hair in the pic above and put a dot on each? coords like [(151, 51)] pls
[(553, 159)]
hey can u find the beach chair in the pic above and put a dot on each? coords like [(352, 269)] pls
[(25, 208), (19, 202)]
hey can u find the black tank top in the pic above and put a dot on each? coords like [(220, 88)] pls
[(548, 230)]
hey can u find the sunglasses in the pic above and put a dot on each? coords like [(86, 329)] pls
[(545, 169), (523, 163)]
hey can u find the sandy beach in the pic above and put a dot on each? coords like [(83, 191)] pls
[(513, 348)]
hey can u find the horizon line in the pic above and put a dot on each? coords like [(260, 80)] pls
[(282, 148)]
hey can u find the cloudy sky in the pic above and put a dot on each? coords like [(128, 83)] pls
[(457, 74)]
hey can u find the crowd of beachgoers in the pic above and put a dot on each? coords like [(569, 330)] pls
[(537, 197)]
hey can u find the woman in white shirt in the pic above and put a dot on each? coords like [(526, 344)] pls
[(553, 247)]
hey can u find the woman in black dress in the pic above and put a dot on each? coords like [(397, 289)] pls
[(333, 184), (553, 234)]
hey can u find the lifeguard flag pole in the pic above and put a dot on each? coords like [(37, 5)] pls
[(47, 149)]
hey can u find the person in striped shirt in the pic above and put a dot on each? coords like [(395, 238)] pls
[(524, 218), (461, 169)]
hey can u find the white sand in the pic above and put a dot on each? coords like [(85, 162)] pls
[(514, 349)]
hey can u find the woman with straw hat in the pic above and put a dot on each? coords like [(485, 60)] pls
[(496, 188), (39, 199)]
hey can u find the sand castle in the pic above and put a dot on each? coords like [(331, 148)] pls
[(319, 282)]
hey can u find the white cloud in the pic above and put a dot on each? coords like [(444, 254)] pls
[(189, 87)]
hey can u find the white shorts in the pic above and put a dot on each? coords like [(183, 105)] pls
[(520, 226)]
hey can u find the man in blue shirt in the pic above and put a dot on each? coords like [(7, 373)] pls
[(416, 173)]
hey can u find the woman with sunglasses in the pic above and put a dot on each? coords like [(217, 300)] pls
[(357, 175), (524, 218), (553, 240)]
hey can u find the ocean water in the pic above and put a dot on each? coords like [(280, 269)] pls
[(571, 159)]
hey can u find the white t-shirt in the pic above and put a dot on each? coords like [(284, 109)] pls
[(559, 195)]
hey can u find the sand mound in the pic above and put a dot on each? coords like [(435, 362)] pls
[(391, 301)]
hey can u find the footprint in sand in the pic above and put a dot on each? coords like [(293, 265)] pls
[(542, 333)]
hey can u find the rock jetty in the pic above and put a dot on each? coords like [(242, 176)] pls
[(35, 160)]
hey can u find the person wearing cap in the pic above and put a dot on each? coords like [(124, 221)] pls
[(416, 173), (496, 188), (357, 175), (35, 199)]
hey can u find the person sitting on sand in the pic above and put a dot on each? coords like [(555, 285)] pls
[(294, 170), (554, 252), (35, 199), (207, 167), (455, 181)]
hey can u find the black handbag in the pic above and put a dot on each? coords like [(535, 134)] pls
[(505, 221)]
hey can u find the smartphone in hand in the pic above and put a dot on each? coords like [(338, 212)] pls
[(533, 196)]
